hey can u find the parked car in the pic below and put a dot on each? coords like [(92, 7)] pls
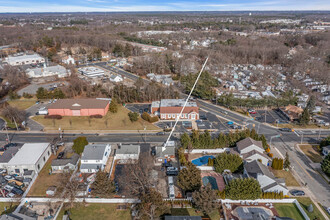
[(17, 191), (296, 192), (172, 171), (153, 151), (230, 123), (328, 210), (160, 133), (10, 195), (9, 177), (37, 102), (286, 129), (252, 111), (3, 171), (10, 145), (8, 188)]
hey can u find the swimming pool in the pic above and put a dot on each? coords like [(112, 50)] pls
[(210, 180), (202, 160)]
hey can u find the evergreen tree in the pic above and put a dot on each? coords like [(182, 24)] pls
[(102, 186), (225, 161), (185, 140), (287, 161), (325, 165), (243, 189), (113, 107), (79, 144), (305, 117), (189, 178)]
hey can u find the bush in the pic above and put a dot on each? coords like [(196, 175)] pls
[(96, 116), (53, 117), (277, 164), (27, 95), (145, 116), (270, 155), (267, 150), (133, 116), (113, 107)]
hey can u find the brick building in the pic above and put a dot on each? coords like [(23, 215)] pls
[(169, 109), (79, 107)]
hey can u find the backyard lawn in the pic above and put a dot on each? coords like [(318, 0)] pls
[(191, 212), (288, 210), (22, 103), (287, 175), (305, 202), (8, 206), (312, 151), (112, 121), (97, 211), (44, 180)]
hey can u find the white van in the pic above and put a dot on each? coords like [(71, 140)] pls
[(171, 190)]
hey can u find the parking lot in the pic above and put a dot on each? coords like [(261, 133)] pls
[(139, 108), (270, 116)]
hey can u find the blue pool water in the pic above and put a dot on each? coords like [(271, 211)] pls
[(202, 160), (210, 180)]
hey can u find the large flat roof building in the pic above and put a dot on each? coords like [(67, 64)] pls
[(30, 157), (57, 70), (91, 72), (169, 109), (79, 107), (22, 59)]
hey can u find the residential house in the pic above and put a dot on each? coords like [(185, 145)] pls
[(68, 60), (65, 164), (116, 78), (94, 157), (6, 155), (251, 150), (326, 150), (266, 179), (292, 112), (126, 152), (169, 109), (165, 153)]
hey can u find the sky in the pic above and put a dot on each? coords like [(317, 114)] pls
[(157, 5)]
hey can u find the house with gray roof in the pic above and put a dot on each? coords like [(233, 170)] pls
[(94, 157), (248, 144), (126, 152), (251, 150), (65, 164), (268, 182)]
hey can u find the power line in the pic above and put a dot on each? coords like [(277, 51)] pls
[(179, 116)]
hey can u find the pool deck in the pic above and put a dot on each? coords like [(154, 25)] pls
[(218, 177)]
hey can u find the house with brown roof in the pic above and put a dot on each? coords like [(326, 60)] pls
[(292, 112), (79, 107), (169, 109)]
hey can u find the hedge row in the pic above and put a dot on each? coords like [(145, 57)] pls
[(53, 117)]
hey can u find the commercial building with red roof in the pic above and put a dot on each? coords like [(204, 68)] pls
[(169, 109), (79, 107)]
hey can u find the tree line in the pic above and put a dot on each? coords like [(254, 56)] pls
[(199, 140)]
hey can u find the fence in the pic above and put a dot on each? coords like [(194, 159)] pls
[(208, 151)]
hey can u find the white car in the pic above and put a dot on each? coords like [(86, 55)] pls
[(8, 177), (328, 210), (8, 188), (10, 195)]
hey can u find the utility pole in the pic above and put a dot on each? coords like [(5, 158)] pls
[(8, 140), (319, 132), (302, 137), (265, 113)]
